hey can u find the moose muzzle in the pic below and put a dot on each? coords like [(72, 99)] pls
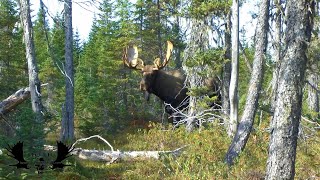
[(144, 89)]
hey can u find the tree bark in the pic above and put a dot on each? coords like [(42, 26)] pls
[(34, 82), (245, 125), (226, 76), (277, 54), (67, 129), (233, 91), (286, 119)]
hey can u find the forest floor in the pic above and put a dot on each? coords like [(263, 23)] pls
[(202, 158)]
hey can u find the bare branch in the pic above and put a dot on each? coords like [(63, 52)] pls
[(94, 136)]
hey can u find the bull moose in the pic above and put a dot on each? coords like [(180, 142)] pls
[(169, 86)]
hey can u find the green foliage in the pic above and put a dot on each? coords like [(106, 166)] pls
[(49, 59), (19, 125), (12, 51), (212, 59), (100, 79), (200, 8), (210, 62)]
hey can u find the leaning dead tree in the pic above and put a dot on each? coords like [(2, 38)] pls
[(14, 100), (112, 156)]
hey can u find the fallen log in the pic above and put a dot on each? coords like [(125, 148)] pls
[(14, 100), (111, 156), (118, 156)]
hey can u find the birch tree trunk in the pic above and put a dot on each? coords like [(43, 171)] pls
[(286, 119), (226, 76), (245, 125), (67, 125), (34, 82), (233, 91)]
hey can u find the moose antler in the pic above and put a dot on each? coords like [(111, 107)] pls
[(130, 58), (157, 62)]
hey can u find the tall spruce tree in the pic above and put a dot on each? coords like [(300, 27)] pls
[(12, 53)]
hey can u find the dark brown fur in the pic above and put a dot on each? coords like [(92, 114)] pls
[(167, 85)]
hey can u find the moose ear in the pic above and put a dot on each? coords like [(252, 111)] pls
[(139, 64)]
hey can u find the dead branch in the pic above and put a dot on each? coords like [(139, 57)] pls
[(97, 136)]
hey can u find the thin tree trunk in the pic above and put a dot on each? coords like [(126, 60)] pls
[(67, 129), (226, 76), (159, 29), (313, 94), (176, 26), (286, 119), (233, 91), (245, 125), (277, 53)]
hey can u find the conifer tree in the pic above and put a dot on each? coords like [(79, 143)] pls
[(12, 68)]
